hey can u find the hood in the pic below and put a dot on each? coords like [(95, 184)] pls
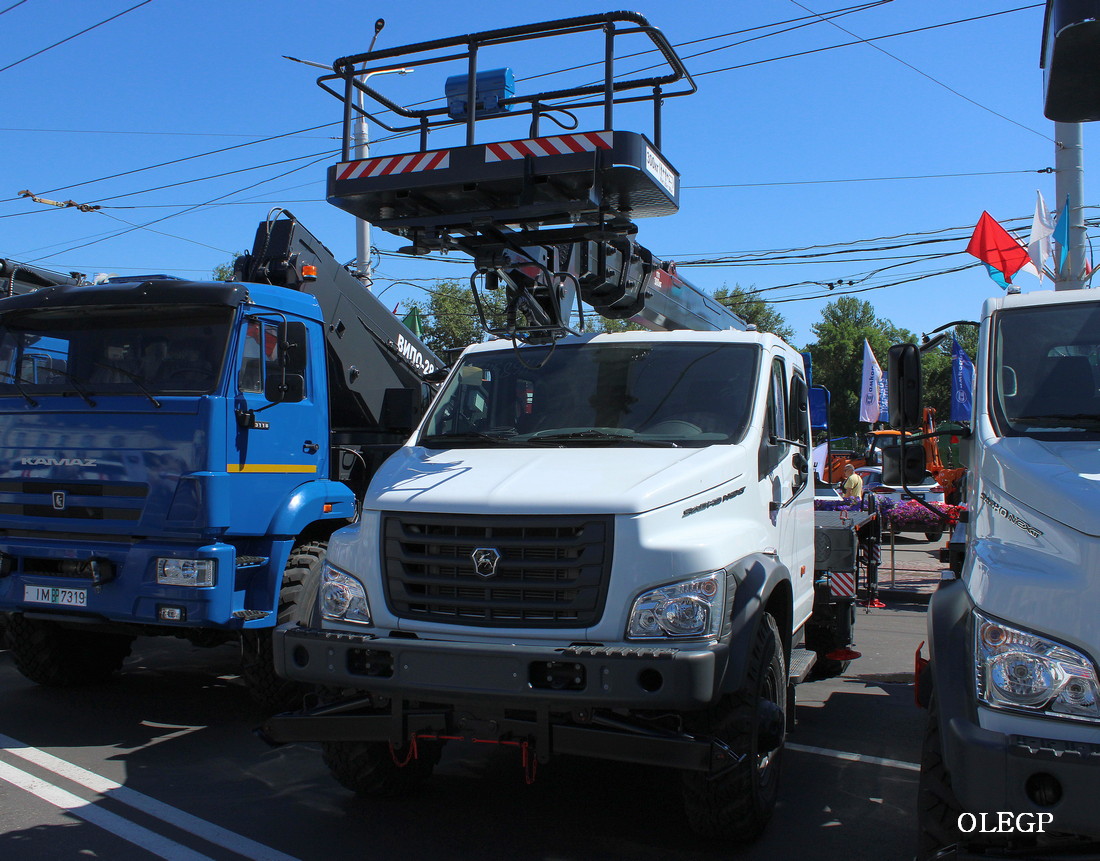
[(550, 480), (1061, 480)]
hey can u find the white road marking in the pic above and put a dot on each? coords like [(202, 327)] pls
[(118, 825), (855, 757), (131, 797)]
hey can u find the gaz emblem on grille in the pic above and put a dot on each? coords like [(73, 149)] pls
[(59, 500), (485, 561)]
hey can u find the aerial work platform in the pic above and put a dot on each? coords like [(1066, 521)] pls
[(575, 183), (538, 182)]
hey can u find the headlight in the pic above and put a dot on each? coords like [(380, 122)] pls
[(342, 597), (186, 572), (692, 608), (1022, 670)]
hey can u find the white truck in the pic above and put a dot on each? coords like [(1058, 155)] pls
[(1011, 758), (601, 545)]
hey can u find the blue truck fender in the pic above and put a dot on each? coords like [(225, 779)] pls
[(311, 502)]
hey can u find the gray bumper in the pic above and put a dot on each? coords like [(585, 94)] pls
[(529, 676)]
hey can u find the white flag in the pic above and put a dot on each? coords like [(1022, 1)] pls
[(1039, 246), (870, 398)]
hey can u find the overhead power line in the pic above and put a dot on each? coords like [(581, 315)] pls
[(73, 36)]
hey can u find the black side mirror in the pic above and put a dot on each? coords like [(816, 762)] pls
[(904, 386), (285, 388)]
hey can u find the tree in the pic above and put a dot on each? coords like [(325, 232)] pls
[(838, 355), (755, 310), (224, 271), (450, 319)]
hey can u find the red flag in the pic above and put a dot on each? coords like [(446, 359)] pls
[(996, 247)]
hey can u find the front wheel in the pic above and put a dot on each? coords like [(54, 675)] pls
[(298, 593), (737, 804), (58, 657), (937, 808)]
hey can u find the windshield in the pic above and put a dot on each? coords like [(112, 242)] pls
[(673, 394), (144, 350), (1044, 381)]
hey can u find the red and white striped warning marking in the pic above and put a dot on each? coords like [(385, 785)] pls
[(557, 145), (391, 164), (842, 584)]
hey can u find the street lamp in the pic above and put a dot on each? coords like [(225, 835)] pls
[(360, 150)]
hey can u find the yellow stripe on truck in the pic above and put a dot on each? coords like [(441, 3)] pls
[(270, 467)]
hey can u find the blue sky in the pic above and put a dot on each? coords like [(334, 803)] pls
[(790, 144)]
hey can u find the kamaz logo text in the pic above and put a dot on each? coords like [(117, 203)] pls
[(57, 461), (413, 356)]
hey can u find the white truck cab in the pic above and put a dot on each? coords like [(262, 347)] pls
[(1012, 682)]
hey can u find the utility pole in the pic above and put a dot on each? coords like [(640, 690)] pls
[(1069, 181)]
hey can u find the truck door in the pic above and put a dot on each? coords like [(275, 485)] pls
[(278, 428), (784, 473)]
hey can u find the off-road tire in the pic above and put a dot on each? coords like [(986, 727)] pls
[(297, 595), (368, 768), (58, 657), (937, 808), (737, 805)]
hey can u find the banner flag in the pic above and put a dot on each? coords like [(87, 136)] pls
[(997, 248), (1039, 246), (962, 383), (872, 398), (1061, 234), (412, 321)]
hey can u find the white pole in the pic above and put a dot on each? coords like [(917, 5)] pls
[(361, 150)]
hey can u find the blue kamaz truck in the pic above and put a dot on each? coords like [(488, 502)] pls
[(174, 455)]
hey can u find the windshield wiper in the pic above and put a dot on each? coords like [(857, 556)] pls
[(135, 378), (445, 439), (19, 385), (1082, 420), (76, 388), (589, 434)]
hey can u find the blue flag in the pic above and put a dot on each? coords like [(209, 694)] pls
[(1061, 235), (962, 383)]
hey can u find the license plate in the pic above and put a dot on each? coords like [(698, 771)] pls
[(60, 596)]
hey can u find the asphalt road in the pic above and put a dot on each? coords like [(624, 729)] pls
[(162, 762)]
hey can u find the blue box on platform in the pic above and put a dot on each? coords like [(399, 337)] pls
[(489, 87)]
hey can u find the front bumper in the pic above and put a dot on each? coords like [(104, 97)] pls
[(523, 676), (564, 700)]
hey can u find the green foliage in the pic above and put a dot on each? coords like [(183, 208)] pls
[(450, 320), (755, 310), (224, 271), (838, 355)]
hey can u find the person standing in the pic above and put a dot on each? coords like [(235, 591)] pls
[(853, 484)]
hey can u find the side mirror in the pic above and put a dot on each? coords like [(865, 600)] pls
[(285, 388), (1071, 61), (904, 386)]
